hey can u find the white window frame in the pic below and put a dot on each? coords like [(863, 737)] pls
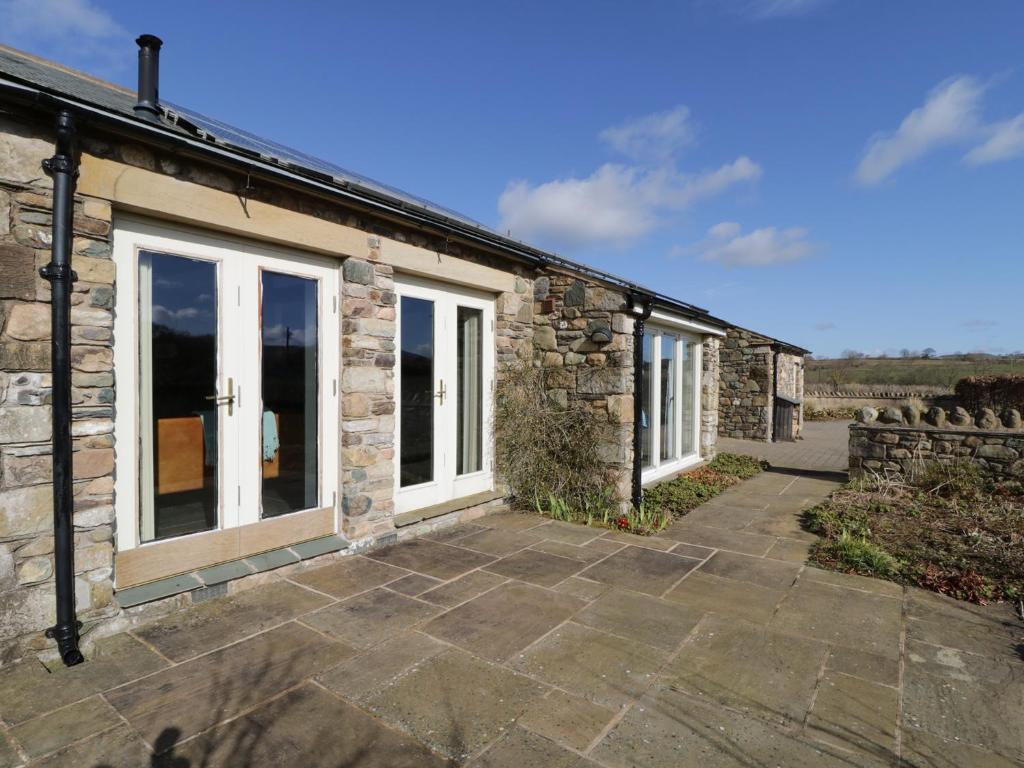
[(678, 332), (241, 508)]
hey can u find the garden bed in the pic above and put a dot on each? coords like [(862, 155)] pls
[(945, 528)]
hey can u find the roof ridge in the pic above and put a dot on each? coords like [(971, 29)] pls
[(64, 68)]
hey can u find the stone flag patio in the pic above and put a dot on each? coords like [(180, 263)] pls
[(515, 641)]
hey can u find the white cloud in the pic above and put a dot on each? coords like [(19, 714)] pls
[(949, 115), (75, 30), (726, 244), (280, 334), (162, 314), (1005, 143), (658, 136), (615, 204), (768, 9)]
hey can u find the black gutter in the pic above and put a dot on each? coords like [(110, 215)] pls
[(245, 161), (641, 307), (63, 169)]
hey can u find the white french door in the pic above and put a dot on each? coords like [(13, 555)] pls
[(443, 391), (231, 417)]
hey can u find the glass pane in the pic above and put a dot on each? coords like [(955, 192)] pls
[(668, 397), (470, 400), (178, 373), (290, 391), (690, 381), (648, 400), (416, 464)]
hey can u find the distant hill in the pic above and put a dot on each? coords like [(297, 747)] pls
[(941, 371)]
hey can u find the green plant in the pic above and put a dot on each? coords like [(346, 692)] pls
[(742, 467)]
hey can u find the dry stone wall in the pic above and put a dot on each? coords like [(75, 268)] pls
[(745, 398), (900, 439)]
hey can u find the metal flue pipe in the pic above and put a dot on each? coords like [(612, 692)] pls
[(63, 169), (148, 104)]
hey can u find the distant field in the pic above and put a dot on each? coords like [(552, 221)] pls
[(937, 372)]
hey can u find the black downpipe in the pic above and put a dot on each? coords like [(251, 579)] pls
[(641, 307), (63, 169)]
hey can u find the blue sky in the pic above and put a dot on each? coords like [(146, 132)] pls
[(837, 173)]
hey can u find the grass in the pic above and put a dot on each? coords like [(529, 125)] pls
[(944, 528), (937, 372), (662, 503)]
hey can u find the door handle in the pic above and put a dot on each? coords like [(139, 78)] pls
[(228, 399), (441, 392)]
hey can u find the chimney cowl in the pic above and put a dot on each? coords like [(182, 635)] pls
[(148, 105)]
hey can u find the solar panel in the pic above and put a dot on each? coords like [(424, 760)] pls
[(222, 133)]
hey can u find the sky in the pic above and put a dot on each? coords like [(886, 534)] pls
[(840, 174)]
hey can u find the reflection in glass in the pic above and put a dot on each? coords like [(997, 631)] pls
[(646, 449), (416, 463), (290, 392), (668, 398), (470, 400), (177, 376), (687, 406)]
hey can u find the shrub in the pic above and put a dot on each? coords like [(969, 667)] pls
[(545, 451), (998, 391), (736, 465)]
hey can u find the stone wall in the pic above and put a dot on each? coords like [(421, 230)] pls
[(583, 339), (904, 439), (789, 382), (26, 499), (745, 396)]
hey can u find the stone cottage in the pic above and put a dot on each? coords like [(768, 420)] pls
[(762, 387), (271, 359)]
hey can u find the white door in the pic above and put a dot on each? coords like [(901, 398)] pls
[(443, 390), (233, 414)]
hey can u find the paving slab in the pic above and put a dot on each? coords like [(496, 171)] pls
[(361, 676), (120, 747), (503, 621), (656, 622), (783, 524), (498, 541), (728, 518), (774, 574), (649, 542), (218, 622), (584, 589), (414, 584), (847, 617), (669, 728), (8, 755), (306, 727), (594, 665), (856, 715), (454, 532), (585, 555), (790, 550), (641, 570), (852, 581), (201, 692), (863, 664), (992, 631), (921, 749), (370, 618), (965, 697), (349, 576), (463, 588), (512, 521), (749, 668), (432, 558), (535, 567), (456, 703), (523, 749), (58, 729), (692, 550), (702, 591), (570, 533), (28, 690), (719, 538), (567, 719)]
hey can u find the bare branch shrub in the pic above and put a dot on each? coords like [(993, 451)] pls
[(544, 450)]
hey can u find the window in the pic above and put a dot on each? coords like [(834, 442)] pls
[(671, 401)]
